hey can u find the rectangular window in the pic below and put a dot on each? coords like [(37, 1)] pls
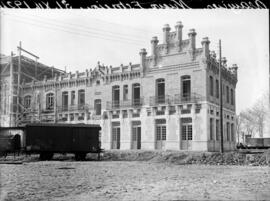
[(228, 131), (97, 106), (160, 129), (211, 86), (232, 132), (81, 97), (125, 92), (115, 96), (217, 130), (186, 88), (186, 128), (184, 135), (27, 101), (65, 101), (50, 101), (189, 132), (232, 97), (217, 89), (185, 111), (72, 98), (211, 128), (227, 94), (125, 114)]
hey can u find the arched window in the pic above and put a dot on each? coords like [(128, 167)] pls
[(27, 101), (49, 101)]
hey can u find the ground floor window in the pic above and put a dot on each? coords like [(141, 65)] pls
[(160, 133), (232, 132), (228, 131), (211, 128), (186, 133), (186, 128), (116, 135), (136, 135), (217, 129)]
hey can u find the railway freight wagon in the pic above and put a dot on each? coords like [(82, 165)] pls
[(257, 143), (47, 139)]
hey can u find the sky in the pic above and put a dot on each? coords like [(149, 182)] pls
[(78, 39)]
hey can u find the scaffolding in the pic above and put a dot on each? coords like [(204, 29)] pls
[(20, 69)]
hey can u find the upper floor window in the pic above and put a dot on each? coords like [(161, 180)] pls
[(81, 97), (116, 96), (227, 95), (27, 101), (217, 89), (160, 90), (136, 94), (50, 101), (65, 100), (125, 92), (211, 86), (72, 98), (186, 86), (232, 97), (98, 106)]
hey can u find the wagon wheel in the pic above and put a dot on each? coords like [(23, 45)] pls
[(80, 156), (45, 156)]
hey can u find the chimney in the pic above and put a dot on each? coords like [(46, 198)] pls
[(166, 31), (178, 29), (110, 70), (224, 61), (192, 39), (213, 54), (154, 43), (121, 68), (205, 46), (142, 60), (129, 66), (234, 69)]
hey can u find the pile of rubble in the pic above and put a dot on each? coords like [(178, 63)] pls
[(181, 158)]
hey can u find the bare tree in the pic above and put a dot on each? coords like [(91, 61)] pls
[(253, 120)]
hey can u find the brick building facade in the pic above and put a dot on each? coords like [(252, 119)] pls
[(169, 100)]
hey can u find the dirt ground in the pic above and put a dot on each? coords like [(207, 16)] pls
[(131, 180)]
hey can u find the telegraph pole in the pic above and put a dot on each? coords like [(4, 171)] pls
[(18, 83), (220, 101)]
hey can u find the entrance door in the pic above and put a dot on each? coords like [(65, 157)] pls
[(136, 137), (116, 137), (186, 136), (160, 135)]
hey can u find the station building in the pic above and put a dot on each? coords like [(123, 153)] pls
[(169, 100)]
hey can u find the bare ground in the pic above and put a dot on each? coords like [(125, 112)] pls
[(135, 180)]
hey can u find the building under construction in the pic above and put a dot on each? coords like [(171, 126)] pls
[(169, 100)]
